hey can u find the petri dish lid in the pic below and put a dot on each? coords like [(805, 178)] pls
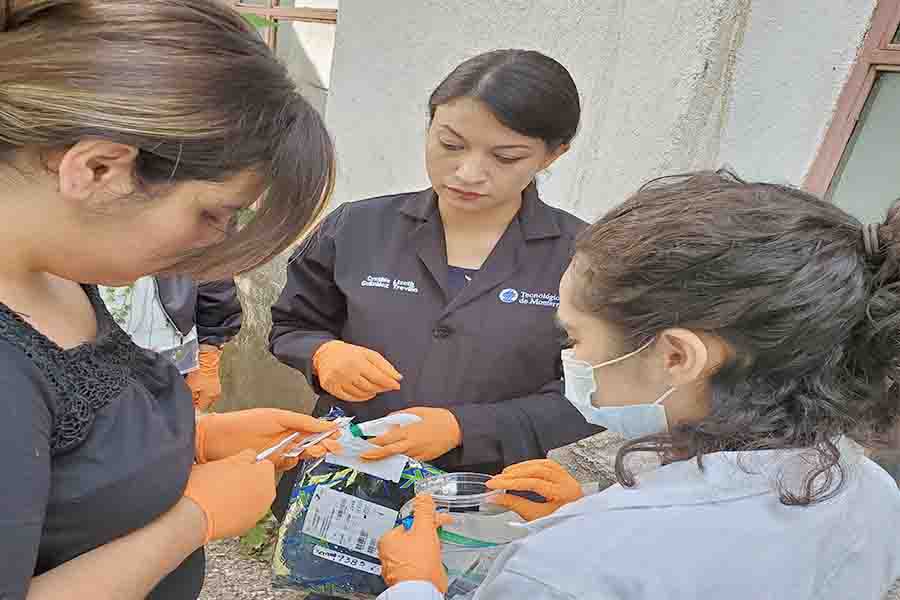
[(458, 490)]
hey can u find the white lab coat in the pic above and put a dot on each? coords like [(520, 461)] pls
[(686, 534)]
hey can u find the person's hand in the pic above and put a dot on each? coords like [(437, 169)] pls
[(224, 434), (353, 373), (415, 555), (233, 493), (435, 435), (543, 477), (206, 387)]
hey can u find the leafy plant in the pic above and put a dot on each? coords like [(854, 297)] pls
[(258, 21), (259, 542)]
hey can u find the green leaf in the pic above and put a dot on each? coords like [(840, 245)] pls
[(245, 215), (258, 21), (260, 541)]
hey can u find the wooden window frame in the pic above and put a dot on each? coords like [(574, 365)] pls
[(877, 54), (271, 11)]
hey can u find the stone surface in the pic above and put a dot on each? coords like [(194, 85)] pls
[(594, 459), (251, 376)]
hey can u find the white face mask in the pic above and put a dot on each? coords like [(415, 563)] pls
[(632, 421)]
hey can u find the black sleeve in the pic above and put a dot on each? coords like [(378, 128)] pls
[(219, 312), (520, 429), (311, 309), (25, 426)]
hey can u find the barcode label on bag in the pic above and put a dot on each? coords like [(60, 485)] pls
[(348, 521), (345, 559)]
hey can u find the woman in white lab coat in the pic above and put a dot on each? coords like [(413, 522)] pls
[(745, 333)]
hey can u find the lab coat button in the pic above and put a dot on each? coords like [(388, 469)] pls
[(441, 332)]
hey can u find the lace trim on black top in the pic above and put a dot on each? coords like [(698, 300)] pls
[(85, 378)]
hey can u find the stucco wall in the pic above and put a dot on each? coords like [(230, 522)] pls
[(790, 69)]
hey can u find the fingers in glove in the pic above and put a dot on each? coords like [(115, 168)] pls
[(294, 421), (378, 377), (384, 366), (314, 452), (351, 393), (547, 489), (539, 469), (401, 447), (520, 506), (529, 467), (392, 435), (332, 445), (425, 513), (364, 382), (322, 448), (286, 464)]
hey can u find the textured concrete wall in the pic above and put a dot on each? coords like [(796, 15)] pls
[(790, 69)]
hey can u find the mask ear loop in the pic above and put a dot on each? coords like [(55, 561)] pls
[(666, 395), (627, 356)]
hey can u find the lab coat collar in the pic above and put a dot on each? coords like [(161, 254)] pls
[(725, 476), (537, 219)]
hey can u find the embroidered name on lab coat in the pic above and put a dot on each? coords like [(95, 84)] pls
[(387, 283)]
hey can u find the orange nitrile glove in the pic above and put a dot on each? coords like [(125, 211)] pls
[(544, 477), (224, 434), (435, 435), (415, 555), (233, 493), (206, 387), (353, 373)]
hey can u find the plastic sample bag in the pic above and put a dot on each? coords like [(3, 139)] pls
[(328, 541)]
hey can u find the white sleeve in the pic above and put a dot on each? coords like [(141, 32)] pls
[(510, 584), (412, 590)]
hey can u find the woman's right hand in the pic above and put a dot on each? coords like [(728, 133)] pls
[(353, 373), (543, 477), (233, 493)]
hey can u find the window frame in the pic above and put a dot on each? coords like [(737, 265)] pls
[(274, 13), (877, 54)]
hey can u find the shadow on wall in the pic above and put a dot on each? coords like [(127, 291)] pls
[(251, 376)]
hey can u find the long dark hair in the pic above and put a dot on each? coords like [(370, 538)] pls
[(189, 84), (528, 92), (785, 280)]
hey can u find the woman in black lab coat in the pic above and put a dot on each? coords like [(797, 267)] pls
[(442, 302)]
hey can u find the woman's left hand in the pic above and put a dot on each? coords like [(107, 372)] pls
[(435, 435), (542, 476), (415, 555), (221, 435)]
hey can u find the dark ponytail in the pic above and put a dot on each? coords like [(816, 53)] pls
[(878, 335)]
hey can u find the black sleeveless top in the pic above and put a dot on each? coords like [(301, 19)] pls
[(96, 442)]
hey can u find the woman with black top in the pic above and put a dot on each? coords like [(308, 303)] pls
[(131, 131)]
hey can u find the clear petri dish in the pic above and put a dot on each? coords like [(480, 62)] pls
[(461, 492)]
